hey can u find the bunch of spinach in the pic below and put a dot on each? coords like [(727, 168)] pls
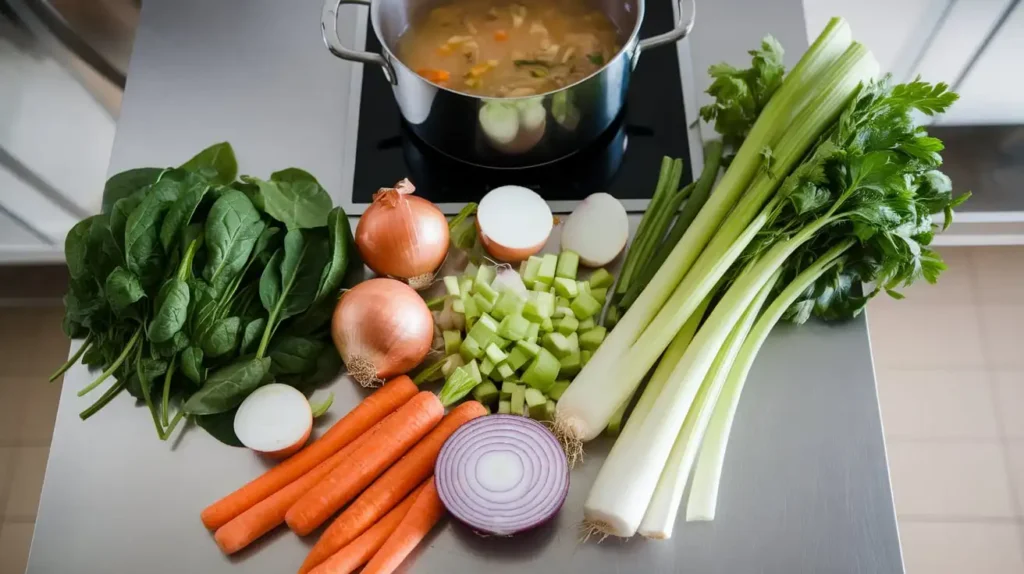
[(193, 288)]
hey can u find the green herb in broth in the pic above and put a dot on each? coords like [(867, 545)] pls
[(494, 49)]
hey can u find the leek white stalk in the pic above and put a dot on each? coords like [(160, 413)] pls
[(661, 513), (640, 337), (707, 474)]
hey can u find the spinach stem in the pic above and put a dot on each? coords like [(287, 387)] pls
[(144, 383), (108, 396), (74, 358), (117, 364), (167, 388), (174, 423)]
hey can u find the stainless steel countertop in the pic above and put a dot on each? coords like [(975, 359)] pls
[(805, 488)]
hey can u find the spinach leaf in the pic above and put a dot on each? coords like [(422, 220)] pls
[(228, 386), (290, 281), (151, 369), (341, 243), (221, 338), (292, 198), (192, 364), (176, 344), (251, 336), (267, 244), (232, 228), (221, 426), (122, 209), (122, 289), (143, 255), (170, 310), (328, 368), (123, 184), (216, 163), (294, 355), (180, 213), (76, 248)]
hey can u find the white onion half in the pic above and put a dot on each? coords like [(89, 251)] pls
[(275, 420), (597, 229), (502, 474), (513, 223)]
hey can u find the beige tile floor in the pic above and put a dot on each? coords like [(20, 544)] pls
[(950, 368)]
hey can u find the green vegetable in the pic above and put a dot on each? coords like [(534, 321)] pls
[(430, 373), (557, 388), (568, 262), (505, 371), (226, 387), (567, 325), (601, 278), (292, 197), (458, 385), (592, 339), (451, 284), (566, 287), (531, 271), (548, 265), (504, 407), (518, 400), (535, 403), (585, 306), (514, 327), (507, 388), (321, 408), (452, 341), (486, 393), (543, 371), (462, 228)]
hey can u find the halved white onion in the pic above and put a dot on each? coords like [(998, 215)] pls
[(513, 223), (275, 420), (597, 230)]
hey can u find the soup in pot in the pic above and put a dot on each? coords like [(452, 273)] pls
[(497, 49)]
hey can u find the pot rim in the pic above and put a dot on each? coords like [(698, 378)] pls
[(393, 59)]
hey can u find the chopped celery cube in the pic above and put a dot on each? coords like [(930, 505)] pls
[(548, 264), (473, 368), (587, 324), (611, 318), (585, 306), (486, 366), (495, 354), (451, 284), (530, 271), (486, 393), (549, 411), (430, 373), (470, 271), (517, 358), (557, 344), (543, 371), (484, 275), (539, 306), (459, 306), (601, 294), (470, 349), (563, 312), (561, 302), (552, 290), (568, 262), (585, 356), (514, 327), (531, 349), (506, 371), (491, 323), (495, 375), (483, 332), (574, 342), (592, 339), (506, 390), (518, 400), (469, 304), (452, 340), (488, 292), (482, 303), (566, 287), (535, 402), (450, 364), (570, 365), (583, 287), (504, 407), (601, 278), (534, 333), (567, 325), (488, 410), (546, 326), (466, 287), (508, 303), (557, 389), (458, 385)]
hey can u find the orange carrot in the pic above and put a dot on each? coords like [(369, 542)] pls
[(435, 75), (269, 513), (368, 413), (389, 489), (423, 515), (363, 548), (500, 35), (413, 420)]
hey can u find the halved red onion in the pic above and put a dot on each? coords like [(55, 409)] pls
[(502, 474)]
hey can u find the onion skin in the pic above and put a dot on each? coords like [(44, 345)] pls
[(506, 254), (384, 324), (401, 235)]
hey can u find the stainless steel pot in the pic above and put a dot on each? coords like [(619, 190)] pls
[(542, 128)]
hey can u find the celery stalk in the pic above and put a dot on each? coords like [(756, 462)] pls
[(708, 470)]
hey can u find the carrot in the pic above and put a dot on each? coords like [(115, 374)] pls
[(423, 515), (363, 548), (413, 420), (397, 482), (500, 35), (263, 517), (435, 75), (368, 413)]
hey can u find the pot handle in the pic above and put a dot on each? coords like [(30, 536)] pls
[(683, 27), (329, 31)]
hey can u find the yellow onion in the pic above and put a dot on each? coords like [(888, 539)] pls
[(382, 328), (403, 236)]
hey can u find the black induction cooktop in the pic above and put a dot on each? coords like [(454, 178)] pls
[(623, 162)]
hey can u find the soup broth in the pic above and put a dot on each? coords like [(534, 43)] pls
[(497, 49)]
